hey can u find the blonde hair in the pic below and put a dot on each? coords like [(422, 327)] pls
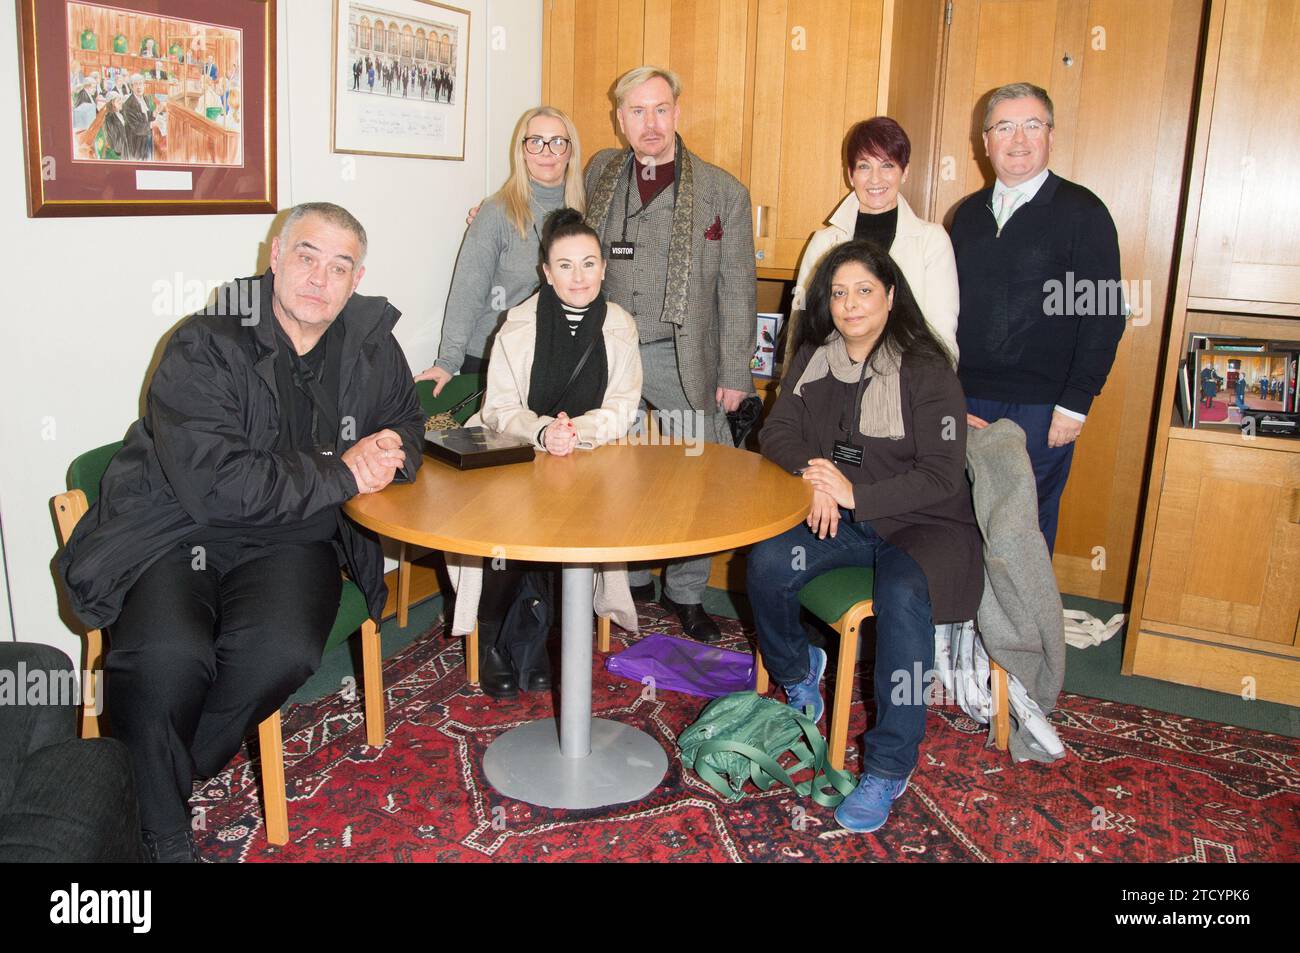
[(643, 74), (516, 194)]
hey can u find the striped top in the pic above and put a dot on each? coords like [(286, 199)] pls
[(574, 316)]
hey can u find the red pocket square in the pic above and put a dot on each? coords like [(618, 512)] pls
[(714, 232)]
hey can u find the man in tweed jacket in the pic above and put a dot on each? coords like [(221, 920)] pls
[(678, 238)]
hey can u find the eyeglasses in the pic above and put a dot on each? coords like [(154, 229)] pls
[(1034, 128), (536, 145)]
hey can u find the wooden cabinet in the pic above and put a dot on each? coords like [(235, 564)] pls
[(816, 73), (770, 88), (1216, 599), (588, 44), (1248, 233), (1226, 556)]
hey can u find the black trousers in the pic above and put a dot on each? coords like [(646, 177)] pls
[(199, 656)]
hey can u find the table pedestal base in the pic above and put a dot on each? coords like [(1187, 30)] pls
[(525, 763)]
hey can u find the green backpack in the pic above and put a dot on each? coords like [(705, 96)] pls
[(739, 737)]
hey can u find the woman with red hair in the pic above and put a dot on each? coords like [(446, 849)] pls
[(876, 156)]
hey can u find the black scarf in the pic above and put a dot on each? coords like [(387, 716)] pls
[(557, 353)]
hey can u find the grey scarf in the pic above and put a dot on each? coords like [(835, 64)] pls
[(679, 241), (881, 414)]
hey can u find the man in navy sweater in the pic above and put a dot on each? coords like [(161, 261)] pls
[(1042, 306)]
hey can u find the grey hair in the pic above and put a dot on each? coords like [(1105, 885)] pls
[(1018, 91), (136, 77), (335, 215), (643, 74)]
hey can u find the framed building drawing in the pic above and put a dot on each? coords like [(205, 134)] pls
[(400, 76)]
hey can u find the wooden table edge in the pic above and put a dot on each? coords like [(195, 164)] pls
[(578, 554)]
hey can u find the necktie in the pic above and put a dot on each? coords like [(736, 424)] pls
[(1010, 199)]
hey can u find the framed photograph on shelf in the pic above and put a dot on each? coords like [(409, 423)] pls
[(148, 107), (766, 339), (399, 79)]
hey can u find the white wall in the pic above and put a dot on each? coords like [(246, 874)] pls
[(80, 328)]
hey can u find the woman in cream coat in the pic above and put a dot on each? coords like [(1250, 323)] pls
[(878, 152), (565, 375)]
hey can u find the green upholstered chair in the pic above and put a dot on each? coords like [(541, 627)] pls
[(842, 598), (458, 390), (84, 477)]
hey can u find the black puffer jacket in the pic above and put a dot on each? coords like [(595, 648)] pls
[(204, 453)]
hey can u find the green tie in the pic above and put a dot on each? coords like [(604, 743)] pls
[(1010, 199)]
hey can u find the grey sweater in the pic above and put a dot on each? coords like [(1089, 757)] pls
[(496, 270)]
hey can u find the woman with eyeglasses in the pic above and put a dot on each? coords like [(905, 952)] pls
[(497, 266), (873, 418), (876, 155)]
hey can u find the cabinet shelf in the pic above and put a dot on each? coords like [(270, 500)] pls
[(1234, 439)]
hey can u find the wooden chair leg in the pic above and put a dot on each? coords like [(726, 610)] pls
[(403, 586), (1001, 710), (93, 688), (760, 673), (372, 672), (471, 655), (849, 627), (602, 634), (273, 798)]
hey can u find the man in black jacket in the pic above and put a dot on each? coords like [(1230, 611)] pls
[(1042, 306), (214, 550)]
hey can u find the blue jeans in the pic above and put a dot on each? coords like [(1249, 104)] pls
[(1051, 464), (779, 567)]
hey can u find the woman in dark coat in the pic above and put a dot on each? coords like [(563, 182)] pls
[(873, 417)]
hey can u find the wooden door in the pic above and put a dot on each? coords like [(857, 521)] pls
[(1121, 77), (1248, 233), (816, 72), (588, 44), (1226, 556)]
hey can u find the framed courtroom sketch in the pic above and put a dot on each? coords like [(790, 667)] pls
[(148, 107), (399, 76)]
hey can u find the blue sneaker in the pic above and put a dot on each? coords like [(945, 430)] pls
[(867, 808), (809, 692)]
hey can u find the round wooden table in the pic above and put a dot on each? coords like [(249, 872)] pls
[(616, 504)]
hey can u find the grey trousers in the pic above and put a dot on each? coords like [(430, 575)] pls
[(684, 580)]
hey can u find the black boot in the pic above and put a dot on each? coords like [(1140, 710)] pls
[(175, 848), (535, 669), (496, 676)]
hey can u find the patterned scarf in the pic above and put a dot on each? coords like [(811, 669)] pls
[(679, 243), (881, 414)]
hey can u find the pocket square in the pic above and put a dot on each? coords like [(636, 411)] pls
[(714, 232)]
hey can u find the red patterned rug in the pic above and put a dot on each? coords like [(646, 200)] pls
[(1135, 785)]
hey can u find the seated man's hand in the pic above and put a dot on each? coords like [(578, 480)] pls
[(375, 460)]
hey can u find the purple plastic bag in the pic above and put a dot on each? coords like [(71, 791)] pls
[(677, 665)]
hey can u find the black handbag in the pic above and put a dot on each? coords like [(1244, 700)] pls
[(745, 419), (527, 623)]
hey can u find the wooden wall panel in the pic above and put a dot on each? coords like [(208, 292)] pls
[(1123, 105), (917, 37), (1249, 228)]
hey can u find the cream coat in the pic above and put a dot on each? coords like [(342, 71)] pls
[(505, 406), (505, 409), (921, 249)]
